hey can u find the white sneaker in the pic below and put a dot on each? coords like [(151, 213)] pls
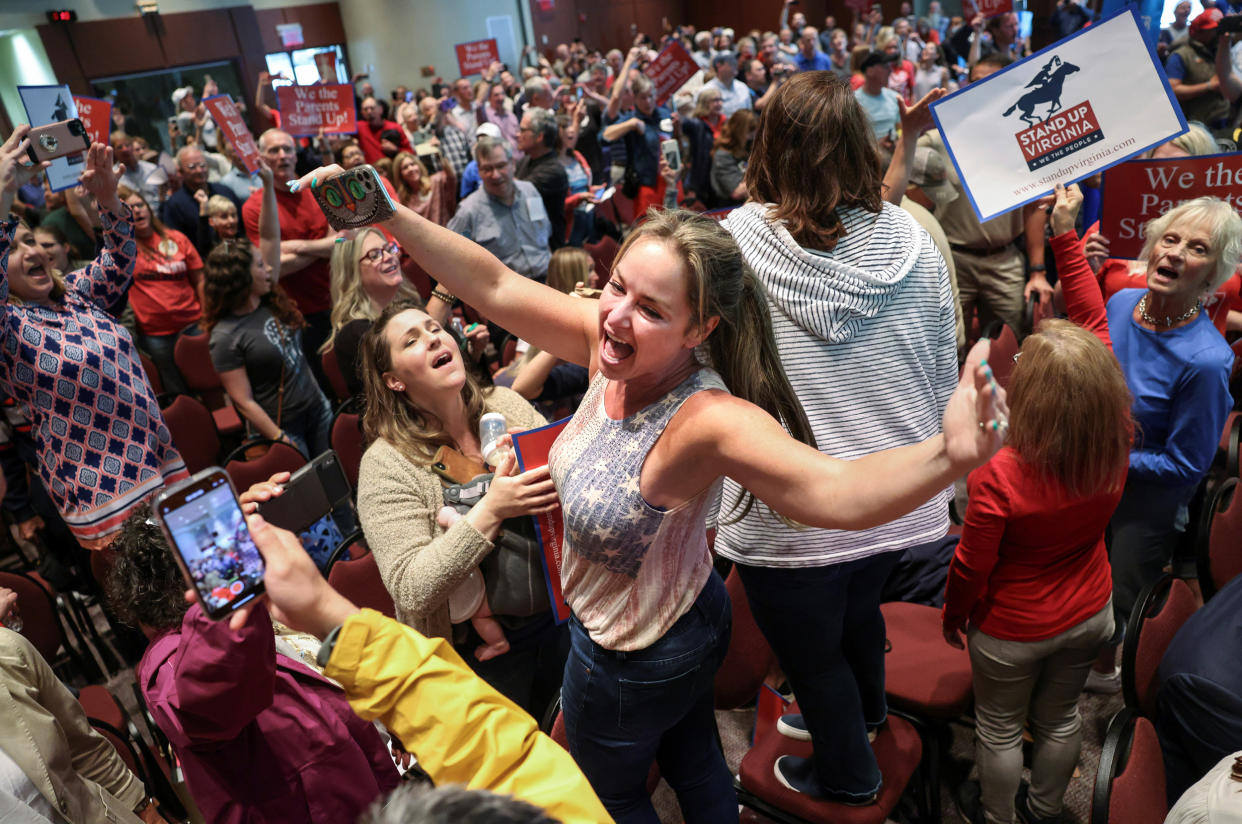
[(1103, 684)]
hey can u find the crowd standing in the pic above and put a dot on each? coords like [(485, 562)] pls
[(549, 237)]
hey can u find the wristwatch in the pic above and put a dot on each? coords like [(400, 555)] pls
[(325, 649)]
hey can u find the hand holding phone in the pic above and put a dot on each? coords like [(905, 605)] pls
[(350, 199), (207, 533), (55, 140)]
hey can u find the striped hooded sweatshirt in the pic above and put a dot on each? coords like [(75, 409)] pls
[(866, 334)]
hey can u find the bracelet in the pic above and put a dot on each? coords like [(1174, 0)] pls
[(443, 295), (1038, 267)]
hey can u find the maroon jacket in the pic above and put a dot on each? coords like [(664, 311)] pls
[(261, 737)]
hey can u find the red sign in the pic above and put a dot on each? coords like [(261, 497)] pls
[(304, 110), (988, 8), (531, 448), (96, 116), (473, 58), (234, 129), (670, 70), (1139, 190), (1059, 135)]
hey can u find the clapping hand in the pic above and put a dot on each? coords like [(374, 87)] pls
[(977, 417)]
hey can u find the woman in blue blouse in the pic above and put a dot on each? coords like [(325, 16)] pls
[(1177, 367)]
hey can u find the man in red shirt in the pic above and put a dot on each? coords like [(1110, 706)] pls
[(306, 242), (371, 126)]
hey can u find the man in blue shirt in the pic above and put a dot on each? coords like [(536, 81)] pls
[(876, 98), (809, 57)]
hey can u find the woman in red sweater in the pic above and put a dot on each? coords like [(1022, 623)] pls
[(1031, 574)]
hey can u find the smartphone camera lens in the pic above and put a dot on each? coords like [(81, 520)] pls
[(48, 142)]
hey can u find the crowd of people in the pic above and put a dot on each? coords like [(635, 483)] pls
[(803, 370)]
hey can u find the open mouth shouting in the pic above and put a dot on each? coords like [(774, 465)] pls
[(613, 349), (442, 359)]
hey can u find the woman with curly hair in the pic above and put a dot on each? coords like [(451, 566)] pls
[(255, 338), (260, 735)]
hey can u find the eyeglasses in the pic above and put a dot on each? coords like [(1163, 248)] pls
[(374, 255)]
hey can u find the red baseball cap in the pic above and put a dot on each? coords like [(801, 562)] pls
[(1207, 20)]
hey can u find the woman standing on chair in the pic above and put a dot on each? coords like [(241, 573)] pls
[(102, 444), (256, 338), (1031, 572), (651, 620)]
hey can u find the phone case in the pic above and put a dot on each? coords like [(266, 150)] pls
[(355, 198), (311, 493), (57, 140), (455, 467)]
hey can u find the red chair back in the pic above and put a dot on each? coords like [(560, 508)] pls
[(346, 439), (280, 457), (359, 580), (922, 674), (193, 431), (1222, 559), (40, 622), (604, 252), (332, 371), (1000, 358), (193, 356), (1130, 782), (153, 373), (749, 658), (1161, 610)]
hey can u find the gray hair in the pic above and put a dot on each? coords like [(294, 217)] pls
[(419, 804), (534, 86), (1224, 229), (483, 148), (263, 138), (543, 124), (1197, 140), (185, 150)]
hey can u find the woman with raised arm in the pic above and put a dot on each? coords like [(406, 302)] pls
[(103, 446), (255, 336), (638, 469)]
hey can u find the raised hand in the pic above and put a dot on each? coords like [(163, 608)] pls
[(1096, 250), (100, 179), (977, 417), (917, 117), (15, 172)]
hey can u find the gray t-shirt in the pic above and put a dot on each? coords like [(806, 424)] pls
[(261, 345)]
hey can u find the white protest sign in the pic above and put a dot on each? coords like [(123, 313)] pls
[(1079, 106), (54, 104)]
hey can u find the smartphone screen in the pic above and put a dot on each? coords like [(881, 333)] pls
[(205, 525)]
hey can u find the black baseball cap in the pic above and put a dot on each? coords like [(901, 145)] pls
[(875, 58)]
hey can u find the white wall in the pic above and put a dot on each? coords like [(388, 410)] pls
[(399, 37)]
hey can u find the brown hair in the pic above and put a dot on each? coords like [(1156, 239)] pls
[(389, 414), (814, 153), (735, 133), (123, 193), (568, 265), (1069, 409), (227, 282), (720, 283)]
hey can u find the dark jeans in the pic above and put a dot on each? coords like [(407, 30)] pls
[(1198, 723), (529, 674), (624, 710), (311, 429), (825, 626), (1146, 527), (160, 348), (318, 328)]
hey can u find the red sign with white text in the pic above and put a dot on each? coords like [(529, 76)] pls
[(473, 58), (1059, 135), (670, 70), (531, 448), (1139, 190), (988, 8), (233, 126), (304, 110), (96, 116)]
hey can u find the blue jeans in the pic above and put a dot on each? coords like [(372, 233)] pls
[(1143, 534), (311, 428), (825, 626), (161, 348), (624, 710)]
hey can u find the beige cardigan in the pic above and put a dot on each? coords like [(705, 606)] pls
[(398, 500)]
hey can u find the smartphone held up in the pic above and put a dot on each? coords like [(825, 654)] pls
[(67, 137), (207, 533)]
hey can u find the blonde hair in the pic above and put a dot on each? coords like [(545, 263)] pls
[(1224, 229), (702, 106), (350, 301), (719, 283), (218, 205), (1197, 140), (1069, 409), (569, 265), (398, 179), (885, 36), (390, 415)]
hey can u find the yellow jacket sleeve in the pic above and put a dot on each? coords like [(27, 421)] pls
[(462, 731)]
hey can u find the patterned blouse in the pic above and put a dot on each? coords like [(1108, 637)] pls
[(102, 443)]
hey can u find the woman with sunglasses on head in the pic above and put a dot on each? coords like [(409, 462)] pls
[(256, 337), (102, 444), (651, 620)]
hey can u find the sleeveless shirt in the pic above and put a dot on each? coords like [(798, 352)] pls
[(629, 570)]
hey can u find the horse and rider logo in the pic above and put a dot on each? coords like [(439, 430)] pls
[(1053, 131)]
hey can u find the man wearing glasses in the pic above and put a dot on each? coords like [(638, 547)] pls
[(187, 208)]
